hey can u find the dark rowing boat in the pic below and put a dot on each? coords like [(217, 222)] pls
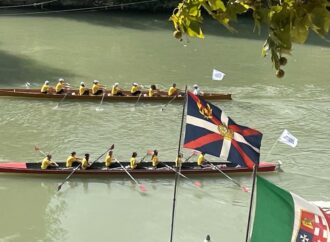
[(143, 168), (73, 95)]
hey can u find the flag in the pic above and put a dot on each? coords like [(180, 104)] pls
[(217, 75), (210, 130), (288, 138), (282, 216)]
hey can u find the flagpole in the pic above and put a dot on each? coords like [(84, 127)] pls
[(177, 173), (255, 169)]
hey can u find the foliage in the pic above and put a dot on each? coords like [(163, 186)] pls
[(288, 21)]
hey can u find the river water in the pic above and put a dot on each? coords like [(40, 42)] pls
[(117, 47)]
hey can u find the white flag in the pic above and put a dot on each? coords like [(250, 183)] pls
[(288, 138), (217, 75)]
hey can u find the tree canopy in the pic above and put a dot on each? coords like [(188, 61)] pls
[(288, 21)]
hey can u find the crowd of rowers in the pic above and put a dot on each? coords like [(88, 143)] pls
[(109, 160), (98, 89)]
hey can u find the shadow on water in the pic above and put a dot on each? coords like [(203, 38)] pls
[(17, 70), (148, 21)]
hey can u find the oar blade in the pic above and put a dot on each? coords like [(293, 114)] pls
[(142, 188), (198, 184), (245, 189)]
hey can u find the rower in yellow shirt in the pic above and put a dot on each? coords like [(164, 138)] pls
[(72, 158), (85, 162), (83, 90), (132, 161), (116, 91), (173, 91), (108, 159), (178, 161), (201, 159), (47, 161), (135, 89), (45, 88), (97, 89), (153, 91), (59, 89), (154, 159)]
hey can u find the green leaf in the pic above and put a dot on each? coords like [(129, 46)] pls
[(194, 29), (217, 5)]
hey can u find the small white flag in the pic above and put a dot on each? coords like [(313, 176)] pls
[(217, 75), (288, 139)]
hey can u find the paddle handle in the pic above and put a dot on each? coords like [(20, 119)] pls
[(127, 172)]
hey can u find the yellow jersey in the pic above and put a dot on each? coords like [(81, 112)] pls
[(133, 163), (178, 162), (134, 89), (108, 160), (70, 160), (154, 160), (114, 90), (152, 92), (84, 163), (44, 88), (200, 159), (171, 91), (95, 88), (82, 89), (45, 163), (59, 87)]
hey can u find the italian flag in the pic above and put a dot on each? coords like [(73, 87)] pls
[(281, 216)]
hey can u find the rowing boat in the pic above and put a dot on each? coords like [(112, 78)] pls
[(144, 168), (73, 94)]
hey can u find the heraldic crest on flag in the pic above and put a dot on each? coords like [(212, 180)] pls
[(210, 130)]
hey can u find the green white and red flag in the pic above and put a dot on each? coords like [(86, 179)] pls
[(282, 216)]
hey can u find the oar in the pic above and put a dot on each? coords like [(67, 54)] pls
[(99, 107), (77, 167), (244, 188), (36, 148), (137, 101), (61, 101), (164, 107), (141, 186)]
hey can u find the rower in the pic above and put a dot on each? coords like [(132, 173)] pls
[(83, 91), (173, 90), (133, 162), (108, 159), (201, 159), (45, 88), (59, 89), (154, 159), (135, 89), (96, 88), (197, 91), (72, 158), (153, 91), (116, 91), (47, 162), (85, 162), (178, 161)]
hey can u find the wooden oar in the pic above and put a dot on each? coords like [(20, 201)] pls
[(99, 107), (61, 101), (244, 188), (36, 148), (164, 107), (141, 186), (77, 167)]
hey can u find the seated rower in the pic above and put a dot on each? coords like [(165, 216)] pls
[(108, 159), (47, 162), (154, 159), (133, 162), (178, 161), (97, 89), (83, 91), (173, 91), (201, 159), (85, 162), (45, 88), (135, 89), (116, 91), (153, 91), (197, 91), (59, 89), (72, 158)]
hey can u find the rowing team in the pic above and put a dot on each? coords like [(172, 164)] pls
[(98, 89), (84, 163)]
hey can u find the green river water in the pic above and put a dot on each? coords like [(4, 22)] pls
[(118, 47)]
